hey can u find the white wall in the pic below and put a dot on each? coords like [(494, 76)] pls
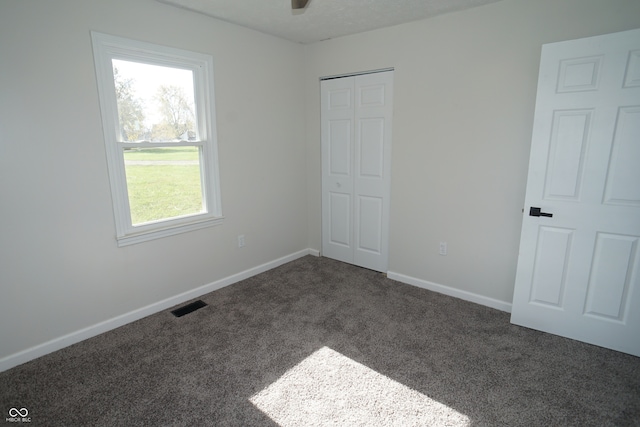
[(60, 268), (464, 97)]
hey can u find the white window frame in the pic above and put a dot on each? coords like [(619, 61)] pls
[(106, 48)]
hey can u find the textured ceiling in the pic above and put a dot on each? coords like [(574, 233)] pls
[(322, 19)]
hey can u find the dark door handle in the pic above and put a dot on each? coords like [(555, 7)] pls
[(536, 212)]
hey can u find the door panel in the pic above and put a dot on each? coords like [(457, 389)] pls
[(550, 271), (356, 156), (371, 94), (370, 224), (569, 135), (579, 74), (578, 269), (623, 175), (340, 98), (341, 213), (373, 115), (337, 169), (632, 75), (613, 267), (340, 147), (371, 160)]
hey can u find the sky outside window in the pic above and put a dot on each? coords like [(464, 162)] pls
[(155, 103)]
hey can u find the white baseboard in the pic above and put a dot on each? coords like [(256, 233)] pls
[(453, 292), (314, 252), (55, 344)]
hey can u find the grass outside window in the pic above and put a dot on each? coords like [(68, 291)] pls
[(163, 183)]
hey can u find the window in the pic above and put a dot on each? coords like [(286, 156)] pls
[(159, 130)]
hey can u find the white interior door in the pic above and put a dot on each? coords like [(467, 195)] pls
[(356, 118), (578, 270)]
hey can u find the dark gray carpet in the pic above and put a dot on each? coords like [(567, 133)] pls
[(317, 342)]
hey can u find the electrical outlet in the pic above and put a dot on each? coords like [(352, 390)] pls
[(241, 241), (443, 248)]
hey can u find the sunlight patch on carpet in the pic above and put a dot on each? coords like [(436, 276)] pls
[(329, 388)]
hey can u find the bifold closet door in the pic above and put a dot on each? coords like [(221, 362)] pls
[(356, 118)]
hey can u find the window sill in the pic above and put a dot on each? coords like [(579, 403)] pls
[(144, 236)]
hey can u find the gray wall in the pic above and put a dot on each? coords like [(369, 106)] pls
[(464, 96), (60, 267)]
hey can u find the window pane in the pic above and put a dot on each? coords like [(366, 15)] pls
[(163, 183), (155, 103)]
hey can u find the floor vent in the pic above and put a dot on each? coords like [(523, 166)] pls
[(179, 312)]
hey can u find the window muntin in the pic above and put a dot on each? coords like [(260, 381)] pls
[(157, 111)]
